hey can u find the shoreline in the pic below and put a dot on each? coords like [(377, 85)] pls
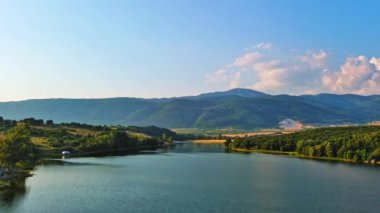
[(104, 152), (6, 180), (296, 155), (272, 152)]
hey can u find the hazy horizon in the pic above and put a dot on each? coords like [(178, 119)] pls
[(168, 97), (148, 49)]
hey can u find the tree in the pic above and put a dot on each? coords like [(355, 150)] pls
[(16, 147), (170, 139), (375, 155), (33, 121), (164, 138), (49, 122), (358, 143), (330, 149), (120, 140), (227, 143), (299, 146)]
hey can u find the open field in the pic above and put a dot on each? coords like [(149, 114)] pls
[(231, 132), (209, 141), (255, 133)]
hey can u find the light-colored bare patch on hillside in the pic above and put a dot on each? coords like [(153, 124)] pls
[(374, 123), (250, 134), (209, 141)]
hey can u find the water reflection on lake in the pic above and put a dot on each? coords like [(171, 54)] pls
[(195, 178)]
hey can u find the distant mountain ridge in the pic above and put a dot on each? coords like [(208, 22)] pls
[(237, 108), (248, 93)]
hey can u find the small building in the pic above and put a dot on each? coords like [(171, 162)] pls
[(66, 153)]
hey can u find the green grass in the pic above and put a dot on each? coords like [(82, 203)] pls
[(50, 140), (138, 136)]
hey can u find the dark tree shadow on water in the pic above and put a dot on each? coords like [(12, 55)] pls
[(12, 191)]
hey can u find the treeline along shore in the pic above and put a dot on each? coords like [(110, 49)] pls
[(25, 142), (356, 144)]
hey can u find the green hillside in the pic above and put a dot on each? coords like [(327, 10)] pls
[(81, 139)]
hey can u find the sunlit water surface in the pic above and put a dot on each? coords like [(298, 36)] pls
[(196, 178)]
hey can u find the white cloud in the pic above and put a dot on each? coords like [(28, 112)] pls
[(225, 75), (271, 75), (375, 62), (315, 59), (235, 82), (357, 75), (247, 59), (264, 46), (231, 73), (308, 73)]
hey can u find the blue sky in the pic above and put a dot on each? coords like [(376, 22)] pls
[(158, 48)]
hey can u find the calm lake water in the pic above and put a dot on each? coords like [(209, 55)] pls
[(196, 178)]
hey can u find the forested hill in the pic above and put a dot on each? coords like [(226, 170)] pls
[(238, 108)]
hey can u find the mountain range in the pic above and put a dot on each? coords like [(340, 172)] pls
[(236, 108)]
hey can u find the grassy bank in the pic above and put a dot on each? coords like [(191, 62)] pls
[(51, 139)]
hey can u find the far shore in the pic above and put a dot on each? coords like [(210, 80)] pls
[(295, 154), (273, 152)]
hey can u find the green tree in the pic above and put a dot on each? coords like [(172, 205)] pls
[(120, 140), (164, 138), (49, 122), (16, 147), (227, 144), (330, 149), (170, 139), (299, 146), (375, 155)]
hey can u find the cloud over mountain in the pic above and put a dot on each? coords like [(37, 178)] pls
[(286, 72), (357, 75), (315, 59)]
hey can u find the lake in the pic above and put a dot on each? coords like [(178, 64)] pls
[(196, 178)]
